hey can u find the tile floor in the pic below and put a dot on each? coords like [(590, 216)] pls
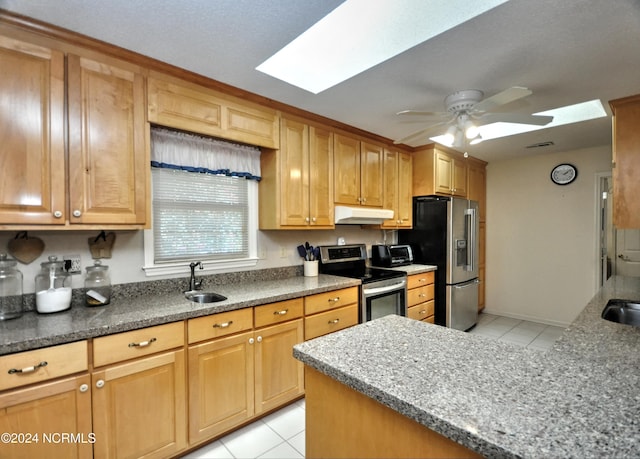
[(281, 434)]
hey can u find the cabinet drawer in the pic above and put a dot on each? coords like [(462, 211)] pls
[(42, 364), (420, 295), (222, 324), (137, 343), (418, 280), (274, 313), (330, 321), (421, 311), (329, 300)]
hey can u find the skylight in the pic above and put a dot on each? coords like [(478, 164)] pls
[(360, 34), (576, 113)]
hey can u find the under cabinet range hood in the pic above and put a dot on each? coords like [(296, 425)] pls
[(361, 215)]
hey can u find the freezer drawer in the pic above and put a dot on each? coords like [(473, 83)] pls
[(462, 305)]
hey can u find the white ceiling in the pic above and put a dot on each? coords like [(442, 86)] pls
[(566, 51)]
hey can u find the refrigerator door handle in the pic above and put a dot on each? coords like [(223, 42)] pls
[(466, 284), (470, 217)]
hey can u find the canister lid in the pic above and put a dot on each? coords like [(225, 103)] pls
[(97, 266), (6, 262), (52, 263)]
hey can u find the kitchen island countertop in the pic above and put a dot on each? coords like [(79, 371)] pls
[(33, 330), (579, 399)]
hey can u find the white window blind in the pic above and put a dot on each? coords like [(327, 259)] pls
[(199, 216)]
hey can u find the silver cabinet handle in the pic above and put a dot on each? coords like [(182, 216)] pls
[(27, 369), (143, 343), (334, 300), (223, 324), (334, 321), (281, 313)]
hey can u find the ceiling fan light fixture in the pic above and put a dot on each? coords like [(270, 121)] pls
[(449, 137), (476, 140), (459, 139), (471, 130)]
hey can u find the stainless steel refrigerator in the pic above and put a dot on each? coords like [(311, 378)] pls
[(445, 234)]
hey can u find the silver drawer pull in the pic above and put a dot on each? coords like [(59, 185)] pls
[(223, 324), (28, 369), (334, 300), (143, 343), (422, 295), (423, 279), (280, 313), (334, 321), (423, 312)]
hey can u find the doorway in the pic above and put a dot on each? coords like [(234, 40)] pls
[(618, 249)]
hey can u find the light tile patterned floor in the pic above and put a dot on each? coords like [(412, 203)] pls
[(281, 434)]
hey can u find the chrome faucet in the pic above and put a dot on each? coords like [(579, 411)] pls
[(193, 283)]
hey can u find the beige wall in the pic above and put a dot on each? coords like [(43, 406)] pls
[(541, 237)]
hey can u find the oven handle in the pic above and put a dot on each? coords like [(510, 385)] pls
[(375, 291)]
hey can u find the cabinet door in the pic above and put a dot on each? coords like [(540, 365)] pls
[(405, 191), (139, 408), (459, 178), (32, 167), (371, 175), (50, 409), (346, 170), (108, 157), (221, 383), (279, 376), (391, 187), (294, 173), (477, 186), (443, 173), (321, 177)]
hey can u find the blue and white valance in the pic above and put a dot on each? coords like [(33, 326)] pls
[(191, 152)]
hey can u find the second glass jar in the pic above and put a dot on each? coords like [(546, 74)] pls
[(97, 285)]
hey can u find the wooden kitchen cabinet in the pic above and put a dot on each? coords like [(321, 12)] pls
[(296, 191), (439, 171), (108, 152), (330, 311), (420, 296), (398, 193), (358, 172), (626, 162), (238, 376), (32, 155), (182, 105), (48, 392), (139, 405), (477, 192)]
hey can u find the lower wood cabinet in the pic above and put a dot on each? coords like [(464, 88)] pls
[(420, 297), (236, 377), (329, 312), (47, 410), (139, 406)]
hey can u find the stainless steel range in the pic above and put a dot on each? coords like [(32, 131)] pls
[(383, 291)]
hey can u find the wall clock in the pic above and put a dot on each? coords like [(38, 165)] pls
[(564, 174)]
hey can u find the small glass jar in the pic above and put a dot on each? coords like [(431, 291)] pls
[(97, 285), (53, 287), (11, 300)]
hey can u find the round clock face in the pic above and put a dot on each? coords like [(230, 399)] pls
[(564, 174)]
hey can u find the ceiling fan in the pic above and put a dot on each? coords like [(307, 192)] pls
[(467, 111)]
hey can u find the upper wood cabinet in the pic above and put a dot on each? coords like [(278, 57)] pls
[(398, 189), (194, 108), (436, 171), (626, 161), (358, 172), (32, 161), (108, 154), (296, 191), (476, 184)]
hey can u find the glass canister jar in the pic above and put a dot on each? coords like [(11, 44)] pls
[(53, 287), (11, 302), (97, 285)]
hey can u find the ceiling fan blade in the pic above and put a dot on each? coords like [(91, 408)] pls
[(517, 118), (504, 97), (420, 133), (427, 114)]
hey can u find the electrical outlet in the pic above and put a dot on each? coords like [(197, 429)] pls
[(72, 264), (283, 252)]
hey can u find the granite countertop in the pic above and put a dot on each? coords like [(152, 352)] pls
[(579, 399), (33, 330)]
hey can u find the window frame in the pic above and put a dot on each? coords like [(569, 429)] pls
[(151, 268)]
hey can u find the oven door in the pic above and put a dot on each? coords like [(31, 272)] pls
[(382, 298)]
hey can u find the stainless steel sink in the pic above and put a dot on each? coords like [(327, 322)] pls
[(204, 297), (623, 312)]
